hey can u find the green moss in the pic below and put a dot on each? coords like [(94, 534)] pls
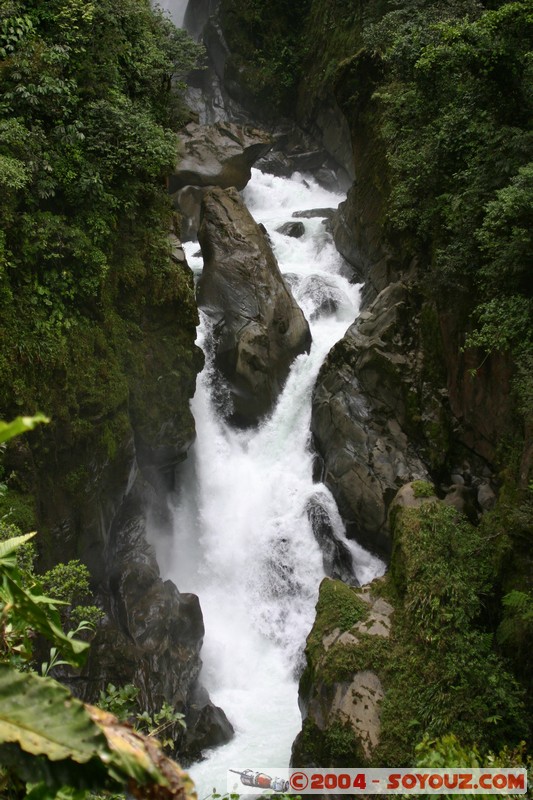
[(18, 509), (338, 607), (342, 745), (337, 745), (423, 489), (342, 661)]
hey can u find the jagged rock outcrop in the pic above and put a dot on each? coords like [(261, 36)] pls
[(293, 229), (218, 155), (153, 634), (341, 689), (336, 556), (121, 425), (257, 325), (213, 155), (364, 407)]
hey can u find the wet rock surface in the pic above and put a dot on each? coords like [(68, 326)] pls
[(361, 412), (258, 327), (293, 229), (153, 634), (218, 155), (336, 557)]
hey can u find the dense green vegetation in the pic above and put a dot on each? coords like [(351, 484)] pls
[(445, 684), (265, 45), (444, 675), (89, 109), (438, 97), (454, 107)]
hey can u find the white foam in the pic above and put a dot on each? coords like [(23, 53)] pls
[(242, 540)]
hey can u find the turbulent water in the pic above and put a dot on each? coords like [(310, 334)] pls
[(242, 539)]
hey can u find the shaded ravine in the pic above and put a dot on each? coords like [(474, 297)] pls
[(242, 539)]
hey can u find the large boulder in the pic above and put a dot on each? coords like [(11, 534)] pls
[(341, 688), (365, 415), (258, 327), (218, 155), (153, 633)]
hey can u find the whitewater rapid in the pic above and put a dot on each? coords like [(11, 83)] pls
[(242, 540)]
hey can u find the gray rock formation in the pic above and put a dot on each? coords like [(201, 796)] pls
[(258, 326), (362, 408), (153, 634), (293, 229), (358, 237), (336, 557), (351, 703), (213, 155), (218, 155)]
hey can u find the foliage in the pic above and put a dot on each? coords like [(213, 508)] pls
[(70, 583), (10, 429), (47, 737), (26, 610), (423, 489), (123, 703), (448, 751), (89, 110), (53, 741), (444, 676), (264, 39), (453, 110)]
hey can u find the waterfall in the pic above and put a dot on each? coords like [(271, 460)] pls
[(242, 539)]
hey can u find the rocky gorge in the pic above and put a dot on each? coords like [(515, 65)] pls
[(419, 437)]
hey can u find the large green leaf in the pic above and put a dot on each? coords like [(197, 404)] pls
[(9, 547), (43, 718), (50, 739), (36, 612), (10, 429)]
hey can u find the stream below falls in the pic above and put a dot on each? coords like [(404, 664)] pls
[(242, 539)]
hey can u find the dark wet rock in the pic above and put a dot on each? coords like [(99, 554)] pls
[(293, 229), (336, 556), (362, 407), (153, 633), (258, 327), (314, 212), (325, 295), (188, 201), (218, 155), (358, 238), (327, 178), (207, 726)]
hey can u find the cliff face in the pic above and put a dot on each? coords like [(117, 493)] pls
[(432, 380), (98, 322)]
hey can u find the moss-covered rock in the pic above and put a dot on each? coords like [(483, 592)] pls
[(341, 689), (428, 668)]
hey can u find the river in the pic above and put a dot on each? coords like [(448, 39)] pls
[(242, 540)]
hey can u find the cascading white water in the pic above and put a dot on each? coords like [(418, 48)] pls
[(242, 538)]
